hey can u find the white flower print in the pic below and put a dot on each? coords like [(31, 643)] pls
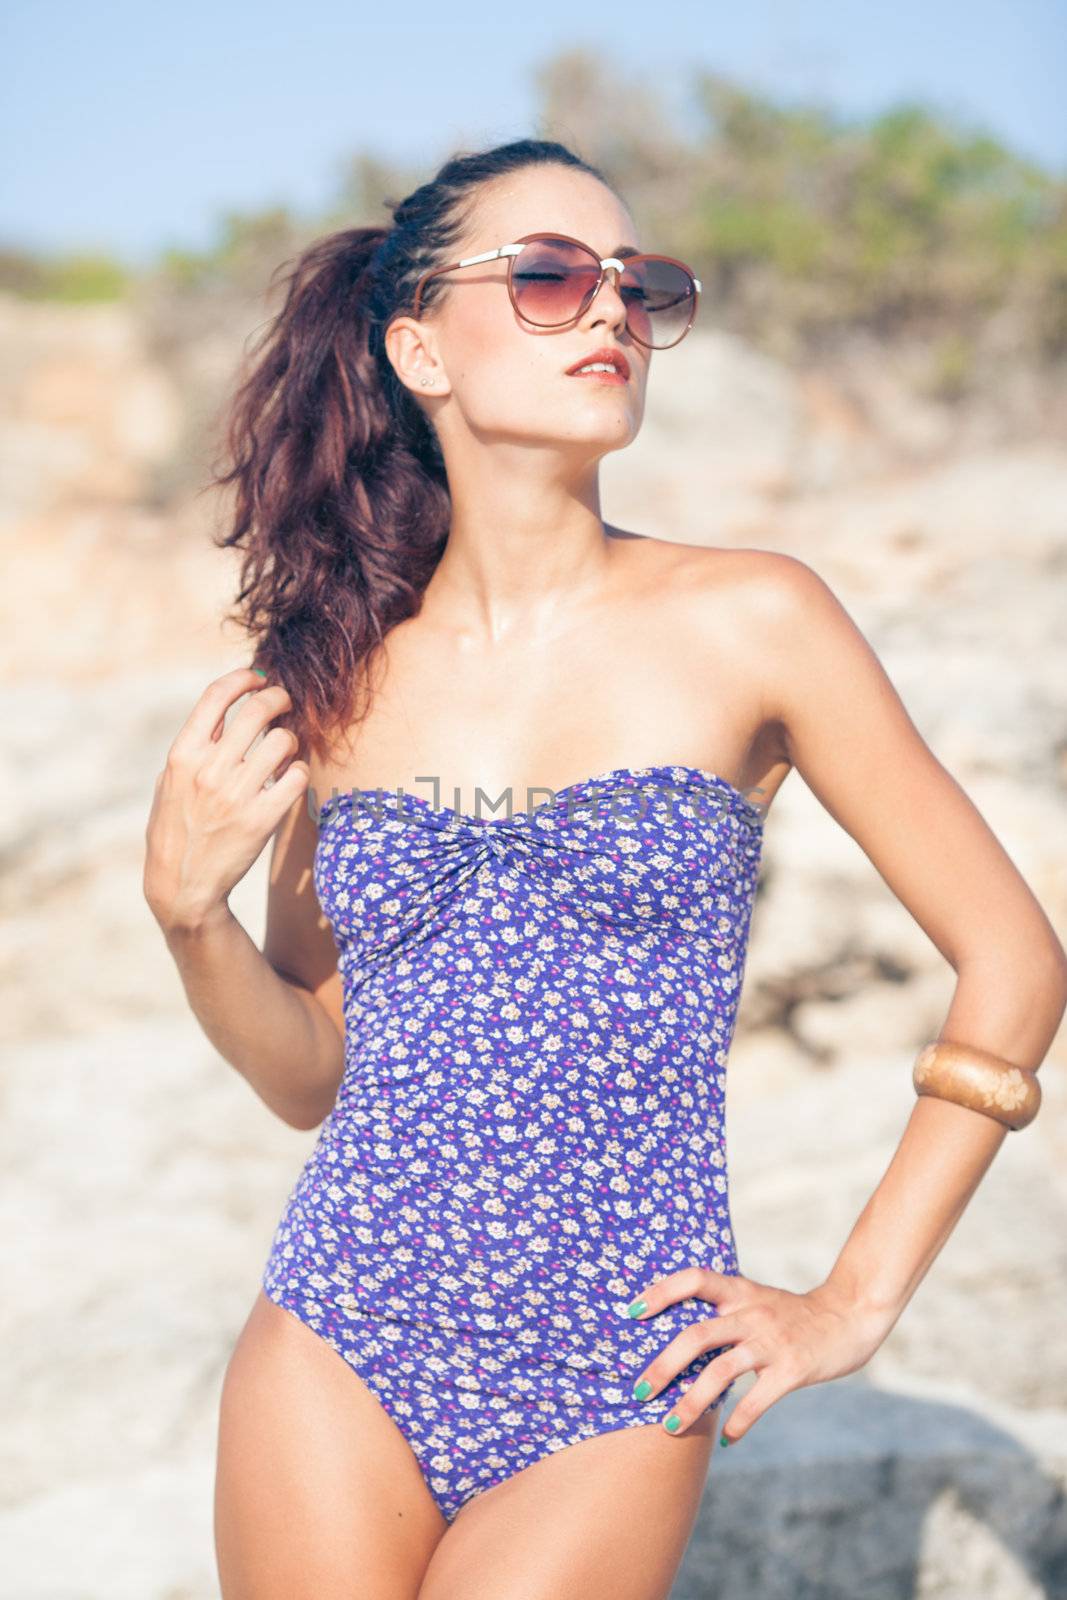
[(530, 1125)]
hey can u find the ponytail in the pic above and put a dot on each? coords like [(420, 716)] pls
[(341, 506)]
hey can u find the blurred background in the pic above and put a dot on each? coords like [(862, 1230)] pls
[(875, 199)]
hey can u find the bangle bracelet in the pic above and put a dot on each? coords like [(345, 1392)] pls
[(979, 1080)]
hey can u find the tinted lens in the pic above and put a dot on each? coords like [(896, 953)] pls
[(553, 281), (659, 301)]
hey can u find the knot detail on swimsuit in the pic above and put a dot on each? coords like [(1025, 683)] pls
[(530, 1125)]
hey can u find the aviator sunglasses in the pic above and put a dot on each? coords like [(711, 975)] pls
[(553, 279)]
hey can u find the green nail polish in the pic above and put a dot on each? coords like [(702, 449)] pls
[(672, 1424), (636, 1309), (260, 671), (642, 1390), (723, 1440)]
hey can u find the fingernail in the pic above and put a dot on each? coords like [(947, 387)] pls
[(260, 671), (672, 1424), (636, 1308), (723, 1440), (642, 1390)]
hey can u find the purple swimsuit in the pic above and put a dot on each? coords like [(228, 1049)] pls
[(529, 1129)]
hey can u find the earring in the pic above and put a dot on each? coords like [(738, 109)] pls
[(425, 381)]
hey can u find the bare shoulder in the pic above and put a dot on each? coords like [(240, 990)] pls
[(777, 602), (698, 573)]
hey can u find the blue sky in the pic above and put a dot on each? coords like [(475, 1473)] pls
[(128, 127)]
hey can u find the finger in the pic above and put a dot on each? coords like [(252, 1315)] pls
[(685, 1348), (244, 730), (229, 715), (292, 759), (255, 713), (712, 1385), (707, 1391), (689, 1347), (196, 733), (283, 794), (690, 1283), (265, 761), (768, 1388), (261, 811)]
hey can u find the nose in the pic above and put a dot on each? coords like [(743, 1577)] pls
[(608, 302)]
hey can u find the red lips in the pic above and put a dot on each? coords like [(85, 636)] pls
[(605, 353)]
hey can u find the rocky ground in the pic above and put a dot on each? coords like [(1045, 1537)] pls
[(142, 1179)]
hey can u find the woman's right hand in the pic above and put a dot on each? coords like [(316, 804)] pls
[(211, 815)]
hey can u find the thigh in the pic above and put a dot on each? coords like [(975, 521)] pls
[(317, 1493), (608, 1517)]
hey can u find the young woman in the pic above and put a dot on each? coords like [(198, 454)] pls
[(502, 1307)]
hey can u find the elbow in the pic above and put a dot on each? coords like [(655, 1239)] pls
[(1048, 992), (304, 1117), (1049, 986), (1061, 965), (1035, 968), (1062, 991), (1055, 983), (309, 1108), (306, 1124), (1017, 1001)]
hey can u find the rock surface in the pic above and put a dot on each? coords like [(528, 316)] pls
[(142, 1178)]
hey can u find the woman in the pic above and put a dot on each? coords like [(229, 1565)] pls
[(514, 1228)]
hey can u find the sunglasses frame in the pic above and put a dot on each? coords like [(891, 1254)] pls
[(511, 251)]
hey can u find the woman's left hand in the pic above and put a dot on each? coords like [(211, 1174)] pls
[(791, 1340)]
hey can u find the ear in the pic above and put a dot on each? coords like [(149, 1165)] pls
[(411, 350)]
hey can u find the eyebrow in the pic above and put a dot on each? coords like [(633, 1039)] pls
[(626, 250)]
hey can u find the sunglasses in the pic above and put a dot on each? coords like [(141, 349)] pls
[(553, 279)]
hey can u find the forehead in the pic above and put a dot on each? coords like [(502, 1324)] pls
[(550, 198)]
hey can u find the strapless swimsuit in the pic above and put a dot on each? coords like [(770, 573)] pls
[(529, 1130)]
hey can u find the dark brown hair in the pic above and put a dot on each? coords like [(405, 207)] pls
[(342, 508)]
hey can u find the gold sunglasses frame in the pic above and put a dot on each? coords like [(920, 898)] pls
[(518, 245)]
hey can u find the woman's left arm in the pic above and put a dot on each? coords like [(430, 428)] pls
[(847, 732), (852, 740)]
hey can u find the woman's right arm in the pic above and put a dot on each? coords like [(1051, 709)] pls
[(275, 1015)]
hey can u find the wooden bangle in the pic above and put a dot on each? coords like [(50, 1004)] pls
[(979, 1080)]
